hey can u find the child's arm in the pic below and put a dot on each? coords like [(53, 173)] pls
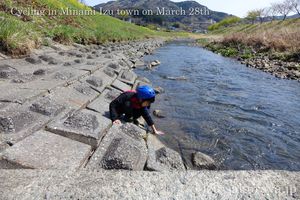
[(150, 122)]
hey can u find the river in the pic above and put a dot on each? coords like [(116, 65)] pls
[(242, 117)]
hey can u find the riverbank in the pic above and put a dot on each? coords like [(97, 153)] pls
[(22, 31), (272, 47)]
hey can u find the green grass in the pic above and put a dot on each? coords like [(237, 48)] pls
[(20, 34), (254, 28), (278, 39)]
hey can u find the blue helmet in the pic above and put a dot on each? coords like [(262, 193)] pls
[(145, 92)]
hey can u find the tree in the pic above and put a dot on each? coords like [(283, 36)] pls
[(262, 13), (252, 15), (273, 11), (284, 8), (295, 5), (82, 1)]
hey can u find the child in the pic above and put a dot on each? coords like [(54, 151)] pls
[(134, 104)]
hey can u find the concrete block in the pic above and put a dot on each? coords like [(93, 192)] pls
[(100, 106), (68, 75), (107, 96), (84, 126), (162, 158), (127, 77), (109, 71), (85, 89), (121, 86), (3, 146), (11, 93), (110, 94), (44, 150), (33, 59), (99, 80), (46, 106), (115, 66), (6, 71), (120, 149), (76, 96), (17, 122), (52, 80)]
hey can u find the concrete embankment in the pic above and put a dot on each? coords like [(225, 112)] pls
[(55, 108), (55, 133), (111, 184)]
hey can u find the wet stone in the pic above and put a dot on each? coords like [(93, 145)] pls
[(162, 158), (159, 114), (7, 71), (203, 161), (33, 60), (169, 158), (95, 81), (44, 150), (46, 106)]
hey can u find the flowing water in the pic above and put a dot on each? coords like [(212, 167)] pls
[(242, 117)]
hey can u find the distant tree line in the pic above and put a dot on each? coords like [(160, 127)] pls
[(282, 9)]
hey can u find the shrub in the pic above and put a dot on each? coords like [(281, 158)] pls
[(225, 22)]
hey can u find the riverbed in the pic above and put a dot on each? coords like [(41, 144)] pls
[(243, 118)]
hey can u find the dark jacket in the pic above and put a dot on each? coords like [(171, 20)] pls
[(127, 103)]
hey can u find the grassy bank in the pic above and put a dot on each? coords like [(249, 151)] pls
[(21, 32), (277, 39)]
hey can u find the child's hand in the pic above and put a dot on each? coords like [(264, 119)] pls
[(159, 133), (117, 122)]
